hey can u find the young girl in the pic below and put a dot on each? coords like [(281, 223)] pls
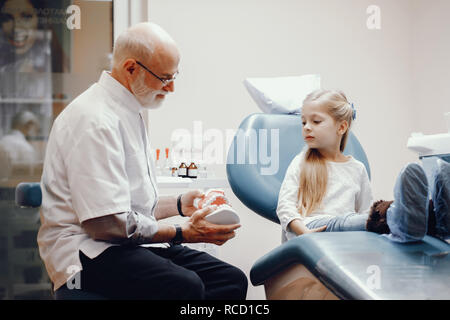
[(323, 190)]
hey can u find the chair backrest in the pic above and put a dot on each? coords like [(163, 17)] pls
[(260, 153), (29, 194)]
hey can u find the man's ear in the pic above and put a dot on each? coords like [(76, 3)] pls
[(129, 66), (130, 69)]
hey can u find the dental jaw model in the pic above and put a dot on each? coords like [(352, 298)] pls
[(224, 214)]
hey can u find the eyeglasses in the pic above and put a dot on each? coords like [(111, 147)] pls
[(164, 81)]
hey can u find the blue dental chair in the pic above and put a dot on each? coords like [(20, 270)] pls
[(29, 195), (327, 265)]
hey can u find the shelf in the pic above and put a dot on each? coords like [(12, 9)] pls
[(188, 183), (31, 100)]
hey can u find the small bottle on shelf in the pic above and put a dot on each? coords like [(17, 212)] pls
[(192, 171), (202, 173), (167, 168), (182, 170), (158, 163)]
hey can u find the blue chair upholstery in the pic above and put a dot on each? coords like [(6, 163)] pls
[(29, 194), (341, 261), (345, 262), (260, 192)]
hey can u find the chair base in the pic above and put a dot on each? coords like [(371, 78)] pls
[(296, 283)]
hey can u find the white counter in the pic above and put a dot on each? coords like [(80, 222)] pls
[(189, 183)]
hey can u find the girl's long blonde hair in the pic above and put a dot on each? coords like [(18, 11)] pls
[(314, 171)]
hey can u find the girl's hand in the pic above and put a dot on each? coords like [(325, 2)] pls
[(299, 227), (323, 228)]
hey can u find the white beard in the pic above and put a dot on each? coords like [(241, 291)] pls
[(146, 96)]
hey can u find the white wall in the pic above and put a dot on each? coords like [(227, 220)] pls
[(431, 64), (396, 77)]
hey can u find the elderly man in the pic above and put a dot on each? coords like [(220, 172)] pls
[(100, 202)]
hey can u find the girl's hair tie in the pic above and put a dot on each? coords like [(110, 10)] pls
[(354, 112)]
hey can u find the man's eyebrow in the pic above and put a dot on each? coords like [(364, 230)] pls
[(169, 75)]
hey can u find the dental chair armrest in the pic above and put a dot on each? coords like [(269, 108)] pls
[(289, 253)]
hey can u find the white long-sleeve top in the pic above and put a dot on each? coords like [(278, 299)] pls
[(348, 190)]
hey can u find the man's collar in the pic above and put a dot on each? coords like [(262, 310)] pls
[(116, 89)]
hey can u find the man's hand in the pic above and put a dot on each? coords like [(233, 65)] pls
[(187, 201), (197, 229)]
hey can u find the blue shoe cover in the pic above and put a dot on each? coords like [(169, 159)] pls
[(408, 215)]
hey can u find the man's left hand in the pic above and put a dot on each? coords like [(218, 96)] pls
[(187, 201)]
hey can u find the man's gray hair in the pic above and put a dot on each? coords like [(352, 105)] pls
[(130, 44)]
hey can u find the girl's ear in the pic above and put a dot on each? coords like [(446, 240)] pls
[(343, 127)]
